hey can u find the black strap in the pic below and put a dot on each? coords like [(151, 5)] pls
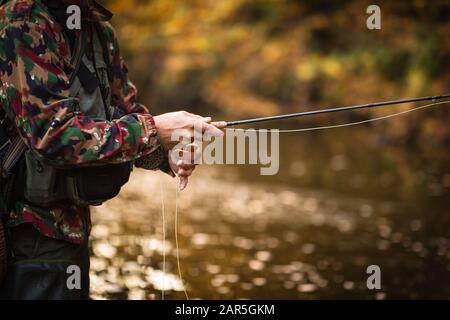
[(17, 147), (103, 41), (77, 57), (14, 150), (105, 50), (5, 142), (14, 153)]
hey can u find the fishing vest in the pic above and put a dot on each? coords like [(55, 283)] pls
[(32, 179), (47, 185), (39, 182)]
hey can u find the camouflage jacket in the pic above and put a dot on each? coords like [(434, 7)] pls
[(35, 67)]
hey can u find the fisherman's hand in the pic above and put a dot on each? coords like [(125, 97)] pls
[(183, 121)]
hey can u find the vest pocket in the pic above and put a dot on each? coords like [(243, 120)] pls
[(95, 185), (43, 183), (48, 186)]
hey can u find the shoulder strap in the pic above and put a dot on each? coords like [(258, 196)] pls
[(14, 153), (77, 58), (75, 41), (16, 148), (105, 50)]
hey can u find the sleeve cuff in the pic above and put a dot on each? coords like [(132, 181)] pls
[(157, 159)]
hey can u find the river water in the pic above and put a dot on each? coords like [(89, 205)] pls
[(245, 236)]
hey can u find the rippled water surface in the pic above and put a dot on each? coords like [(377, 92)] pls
[(240, 239)]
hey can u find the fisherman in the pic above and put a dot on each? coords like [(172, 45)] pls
[(72, 130)]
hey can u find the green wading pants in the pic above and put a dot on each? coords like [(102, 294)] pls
[(41, 268)]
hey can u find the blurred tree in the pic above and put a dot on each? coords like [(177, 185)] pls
[(240, 58)]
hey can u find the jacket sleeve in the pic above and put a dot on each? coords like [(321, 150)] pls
[(123, 99), (35, 93)]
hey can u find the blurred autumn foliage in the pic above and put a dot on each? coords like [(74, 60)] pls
[(241, 58), (246, 57)]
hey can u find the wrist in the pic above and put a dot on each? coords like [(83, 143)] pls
[(159, 133)]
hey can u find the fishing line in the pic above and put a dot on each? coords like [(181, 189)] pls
[(163, 234), (177, 247), (332, 110), (350, 123), (286, 131)]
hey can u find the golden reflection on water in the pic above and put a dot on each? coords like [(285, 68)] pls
[(242, 240)]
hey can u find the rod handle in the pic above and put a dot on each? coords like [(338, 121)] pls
[(219, 124)]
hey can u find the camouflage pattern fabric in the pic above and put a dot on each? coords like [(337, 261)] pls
[(34, 91)]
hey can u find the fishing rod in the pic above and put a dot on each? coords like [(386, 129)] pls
[(330, 110)]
